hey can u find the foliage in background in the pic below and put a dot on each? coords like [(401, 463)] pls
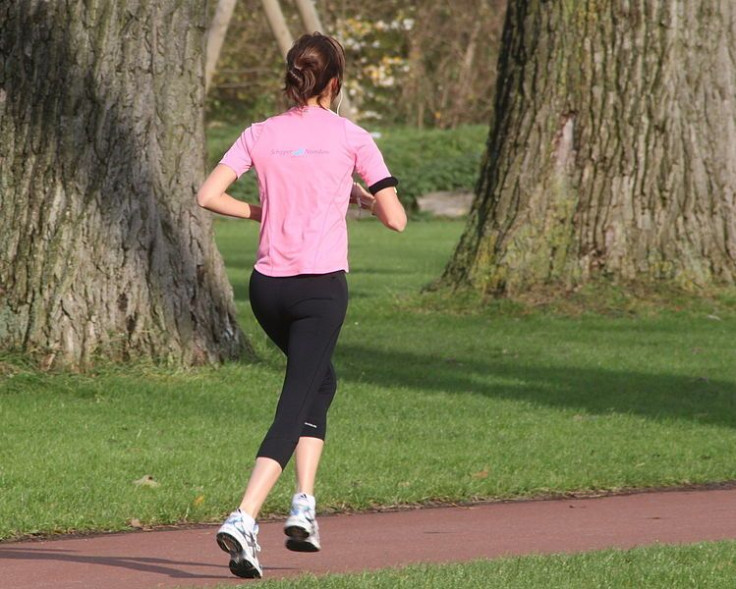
[(435, 159), (424, 160), (247, 81), (423, 63)]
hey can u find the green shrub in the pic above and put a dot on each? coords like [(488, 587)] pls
[(431, 160), (423, 160)]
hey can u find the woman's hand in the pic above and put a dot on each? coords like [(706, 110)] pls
[(212, 196), (361, 197), (385, 205)]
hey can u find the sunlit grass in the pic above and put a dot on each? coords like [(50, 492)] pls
[(432, 405), (701, 566)]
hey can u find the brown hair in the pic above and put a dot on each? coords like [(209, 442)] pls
[(311, 63)]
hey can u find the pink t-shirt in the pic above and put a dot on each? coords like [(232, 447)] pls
[(305, 159)]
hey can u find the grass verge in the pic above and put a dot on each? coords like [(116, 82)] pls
[(704, 565)]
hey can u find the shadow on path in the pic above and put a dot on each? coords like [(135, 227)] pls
[(161, 566), (143, 564)]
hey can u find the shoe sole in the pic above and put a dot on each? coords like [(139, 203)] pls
[(240, 567), (296, 532), (296, 545), (298, 540)]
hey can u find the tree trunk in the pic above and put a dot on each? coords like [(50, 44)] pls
[(413, 91), (278, 25), (612, 150), (310, 17), (216, 33), (463, 88), (103, 251)]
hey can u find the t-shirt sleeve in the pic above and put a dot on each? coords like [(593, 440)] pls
[(239, 157), (369, 162)]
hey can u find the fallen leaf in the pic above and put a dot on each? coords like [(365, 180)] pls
[(198, 500), (483, 474), (146, 481), (136, 523)]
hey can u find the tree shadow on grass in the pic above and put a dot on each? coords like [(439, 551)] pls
[(591, 390), (356, 270)]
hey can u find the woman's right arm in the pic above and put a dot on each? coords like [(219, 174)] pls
[(389, 210), (385, 205), (212, 196)]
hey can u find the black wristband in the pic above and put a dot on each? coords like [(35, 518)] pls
[(381, 184)]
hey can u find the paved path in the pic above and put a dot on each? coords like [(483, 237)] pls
[(370, 541)]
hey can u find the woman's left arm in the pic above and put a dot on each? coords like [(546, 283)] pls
[(212, 196)]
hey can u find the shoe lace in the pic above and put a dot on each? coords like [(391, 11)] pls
[(250, 535), (253, 539)]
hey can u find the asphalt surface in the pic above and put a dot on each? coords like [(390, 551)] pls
[(361, 542)]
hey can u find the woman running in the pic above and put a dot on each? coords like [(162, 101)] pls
[(305, 159)]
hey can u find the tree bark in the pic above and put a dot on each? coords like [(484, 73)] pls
[(310, 17), (612, 150), (463, 88), (216, 34), (103, 251)]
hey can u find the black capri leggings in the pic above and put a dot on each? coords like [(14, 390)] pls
[(303, 316)]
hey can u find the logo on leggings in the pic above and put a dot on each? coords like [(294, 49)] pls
[(310, 424)]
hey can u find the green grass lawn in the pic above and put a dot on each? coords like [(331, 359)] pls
[(698, 566), (432, 406)]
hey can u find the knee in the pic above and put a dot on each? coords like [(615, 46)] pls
[(278, 448)]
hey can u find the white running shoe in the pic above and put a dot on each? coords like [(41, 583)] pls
[(241, 542), (301, 525)]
